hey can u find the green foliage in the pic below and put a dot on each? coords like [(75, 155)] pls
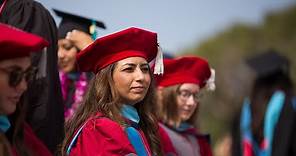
[(226, 53)]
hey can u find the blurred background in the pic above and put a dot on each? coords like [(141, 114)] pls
[(224, 32)]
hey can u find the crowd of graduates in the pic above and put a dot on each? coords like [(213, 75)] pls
[(66, 91)]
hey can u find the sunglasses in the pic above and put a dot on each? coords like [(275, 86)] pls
[(16, 75)]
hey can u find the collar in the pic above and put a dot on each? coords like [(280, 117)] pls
[(184, 126), (4, 123), (130, 113)]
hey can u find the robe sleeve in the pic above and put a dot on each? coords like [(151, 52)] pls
[(101, 137)]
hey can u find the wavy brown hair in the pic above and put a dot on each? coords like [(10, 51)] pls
[(103, 97), (169, 108)]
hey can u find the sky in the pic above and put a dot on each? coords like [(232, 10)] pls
[(179, 24)]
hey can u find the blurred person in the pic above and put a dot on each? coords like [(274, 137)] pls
[(179, 92), (46, 112), (15, 73), (223, 146), (116, 117), (74, 33), (267, 120)]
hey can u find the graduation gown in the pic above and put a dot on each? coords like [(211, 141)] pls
[(172, 146), (284, 142), (45, 114), (100, 136), (284, 139), (33, 143)]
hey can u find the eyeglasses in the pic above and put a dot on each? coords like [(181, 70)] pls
[(185, 95), (16, 75)]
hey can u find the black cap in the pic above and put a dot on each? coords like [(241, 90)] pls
[(167, 55), (71, 21), (268, 63)]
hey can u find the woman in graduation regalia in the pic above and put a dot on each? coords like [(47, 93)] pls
[(267, 123), (15, 73), (74, 33), (179, 91), (116, 117), (45, 113)]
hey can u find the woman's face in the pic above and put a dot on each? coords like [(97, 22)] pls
[(10, 94), (66, 55), (187, 100), (132, 79)]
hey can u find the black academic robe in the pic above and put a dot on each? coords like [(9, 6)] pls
[(45, 114), (284, 140)]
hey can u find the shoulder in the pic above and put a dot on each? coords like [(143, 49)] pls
[(163, 127), (107, 130), (202, 137), (166, 143), (162, 132), (103, 125), (103, 133)]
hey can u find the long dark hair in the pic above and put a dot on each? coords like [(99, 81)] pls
[(263, 89), (5, 149), (169, 108), (15, 134), (102, 97)]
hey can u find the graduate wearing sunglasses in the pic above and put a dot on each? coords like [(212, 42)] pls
[(15, 73), (179, 92)]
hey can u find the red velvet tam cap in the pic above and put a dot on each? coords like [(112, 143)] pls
[(17, 43), (184, 70), (109, 49)]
